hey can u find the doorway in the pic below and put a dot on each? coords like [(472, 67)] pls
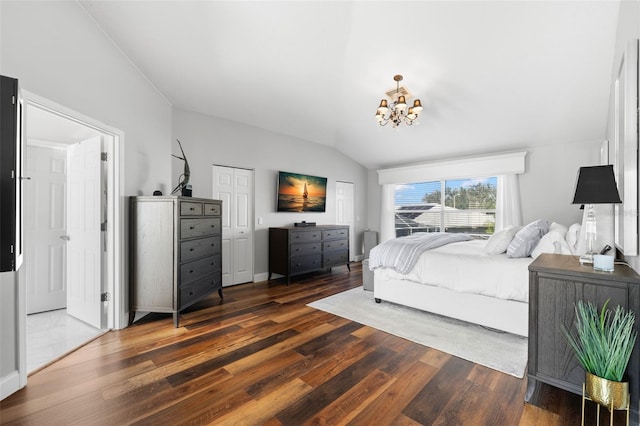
[(69, 253), (345, 192), (234, 186)]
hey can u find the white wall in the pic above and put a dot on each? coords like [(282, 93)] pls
[(57, 52), (208, 140), (546, 188), (628, 29)]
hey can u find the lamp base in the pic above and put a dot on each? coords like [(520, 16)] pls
[(586, 259)]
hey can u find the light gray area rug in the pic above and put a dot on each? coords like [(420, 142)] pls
[(500, 351)]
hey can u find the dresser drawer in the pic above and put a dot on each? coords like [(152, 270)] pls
[(199, 227), (335, 245), (305, 236), (193, 249), (335, 258), (333, 234), (190, 208), (306, 263), (196, 269), (195, 291), (307, 248), (212, 209)]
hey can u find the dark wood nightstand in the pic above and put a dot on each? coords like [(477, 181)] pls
[(556, 283)]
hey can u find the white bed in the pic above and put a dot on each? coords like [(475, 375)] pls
[(460, 280)]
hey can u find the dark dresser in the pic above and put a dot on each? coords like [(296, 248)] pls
[(299, 250), (556, 283), (175, 252)]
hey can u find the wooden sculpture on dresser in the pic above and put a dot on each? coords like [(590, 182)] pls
[(183, 179)]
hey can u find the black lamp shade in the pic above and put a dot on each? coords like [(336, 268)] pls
[(596, 185)]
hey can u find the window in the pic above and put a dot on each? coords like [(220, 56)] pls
[(462, 205)]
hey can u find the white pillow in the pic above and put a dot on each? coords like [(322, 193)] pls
[(572, 237), (555, 226), (552, 242), (527, 239), (499, 241)]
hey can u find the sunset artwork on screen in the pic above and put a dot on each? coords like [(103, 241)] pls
[(301, 193)]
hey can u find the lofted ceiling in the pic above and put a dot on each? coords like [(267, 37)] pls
[(492, 76)]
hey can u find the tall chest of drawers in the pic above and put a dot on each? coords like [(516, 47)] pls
[(175, 252), (299, 250)]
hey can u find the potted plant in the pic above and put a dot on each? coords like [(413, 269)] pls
[(603, 343)]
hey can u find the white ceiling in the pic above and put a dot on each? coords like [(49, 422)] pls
[(492, 76), (53, 129)]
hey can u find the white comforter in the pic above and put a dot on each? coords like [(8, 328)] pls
[(402, 253), (465, 267)]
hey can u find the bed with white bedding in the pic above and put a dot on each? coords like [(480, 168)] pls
[(461, 280)]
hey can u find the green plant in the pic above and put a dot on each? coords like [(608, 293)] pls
[(603, 343)]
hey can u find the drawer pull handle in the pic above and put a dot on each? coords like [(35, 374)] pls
[(191, 293), (191, 272), (192, 227), (191, 208), (191, 249)]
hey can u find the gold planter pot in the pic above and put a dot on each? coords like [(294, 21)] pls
[(607, 392)]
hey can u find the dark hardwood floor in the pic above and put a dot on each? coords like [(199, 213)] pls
[(263, 357)]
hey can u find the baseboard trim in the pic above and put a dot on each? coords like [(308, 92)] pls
[(263, 276), (9, 384)]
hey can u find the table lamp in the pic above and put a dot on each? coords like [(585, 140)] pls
[(595, 185)]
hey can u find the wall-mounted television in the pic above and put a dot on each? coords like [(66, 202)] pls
[(301, 193)]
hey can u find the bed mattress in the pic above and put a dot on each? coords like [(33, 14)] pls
[(465, 267)]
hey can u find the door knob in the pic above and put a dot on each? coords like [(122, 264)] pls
[(65, 237)]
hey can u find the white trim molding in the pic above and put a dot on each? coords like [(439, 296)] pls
[(471, 167)]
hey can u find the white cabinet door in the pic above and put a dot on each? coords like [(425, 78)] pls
[(84, 247), (235, 188), (344, 212), (45, 224)]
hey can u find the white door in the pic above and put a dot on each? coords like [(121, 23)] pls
[(45, 224), (235, 188), (84, 245), (626, 149), (345, 212)]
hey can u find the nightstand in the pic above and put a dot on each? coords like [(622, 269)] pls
[(556, 283)]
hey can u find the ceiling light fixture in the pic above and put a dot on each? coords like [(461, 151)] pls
[(398, 113)]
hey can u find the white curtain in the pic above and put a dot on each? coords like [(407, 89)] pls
[(387, 213), (508, 210)]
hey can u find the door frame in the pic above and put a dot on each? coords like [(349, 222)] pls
[(114, 268), (114, 272)]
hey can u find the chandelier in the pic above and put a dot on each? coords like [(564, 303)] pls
[(398, 113)]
